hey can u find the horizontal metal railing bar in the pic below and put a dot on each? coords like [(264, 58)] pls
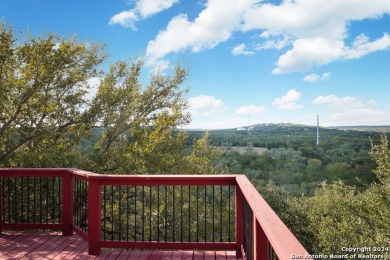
[(280, 237), (168, 245), (32, 225)]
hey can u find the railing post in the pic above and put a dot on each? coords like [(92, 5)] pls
[(67, 204), (94, 217), (261, 242), (239, 222)]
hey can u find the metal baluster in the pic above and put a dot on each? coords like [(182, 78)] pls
[(22, 199), (158, 213), (229, 214), (197, 214), (181, 214), (47, 200), (205, 213), (135, 213), (9, 199), (112, 212), (127, 212), (104, 212), (220, 215), (40, 199), (150, 213), (213, 197), (173, 221), (143, 213), (120, 212), (166, 211), (34, 200), (189, 213), (28, 200), (60, 191), (53, 200), (79, 203), (16, 201)]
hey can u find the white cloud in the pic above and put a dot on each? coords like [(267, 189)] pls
[(335, 102), (311, 78), (277, 43), (362, 46), (319, 29), (316, 77), (352, 111), (241, 50), (316, 30), (143, 9), (372, 102), (360, 116), (93, 84), (287, 102), (308, 53), (215, 24), (148, 8), (249, 110), (325, 76), (125, 18), (205, 105)]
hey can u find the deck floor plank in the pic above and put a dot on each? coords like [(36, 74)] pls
[(198, 255), (27, 246), (43, 249), (156, 255), (220, 255), (70, 245), (124, 255), (8, 238), (166, 255), (209, 255), (177, 255), (187, 255), (54, 246), (134, 255), (145, 255)]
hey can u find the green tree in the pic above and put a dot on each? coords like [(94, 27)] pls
[(43, 106), (203, 158), (138, 123), (340, 216)]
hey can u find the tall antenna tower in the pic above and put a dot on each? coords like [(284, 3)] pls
[(318, 130)]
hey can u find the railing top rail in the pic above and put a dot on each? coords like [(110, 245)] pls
[(280, 237), (111, 179), (192, 180), (32, 172)]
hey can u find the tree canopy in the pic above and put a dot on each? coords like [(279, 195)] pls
[(49, 119)]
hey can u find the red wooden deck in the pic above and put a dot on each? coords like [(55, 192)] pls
[(52, 245)]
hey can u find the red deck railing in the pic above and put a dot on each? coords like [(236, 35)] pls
[(183, 212)]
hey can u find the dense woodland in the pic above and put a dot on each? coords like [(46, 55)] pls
[(336, 193)]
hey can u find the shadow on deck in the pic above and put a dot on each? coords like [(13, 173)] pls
[(52, 245)]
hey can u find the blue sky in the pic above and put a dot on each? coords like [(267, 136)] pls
[(250, 61)]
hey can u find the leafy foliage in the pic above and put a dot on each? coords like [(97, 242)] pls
[(341, 216), (42, 92)]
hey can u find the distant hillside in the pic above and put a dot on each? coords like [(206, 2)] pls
[(379, 128), (283, 135)]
